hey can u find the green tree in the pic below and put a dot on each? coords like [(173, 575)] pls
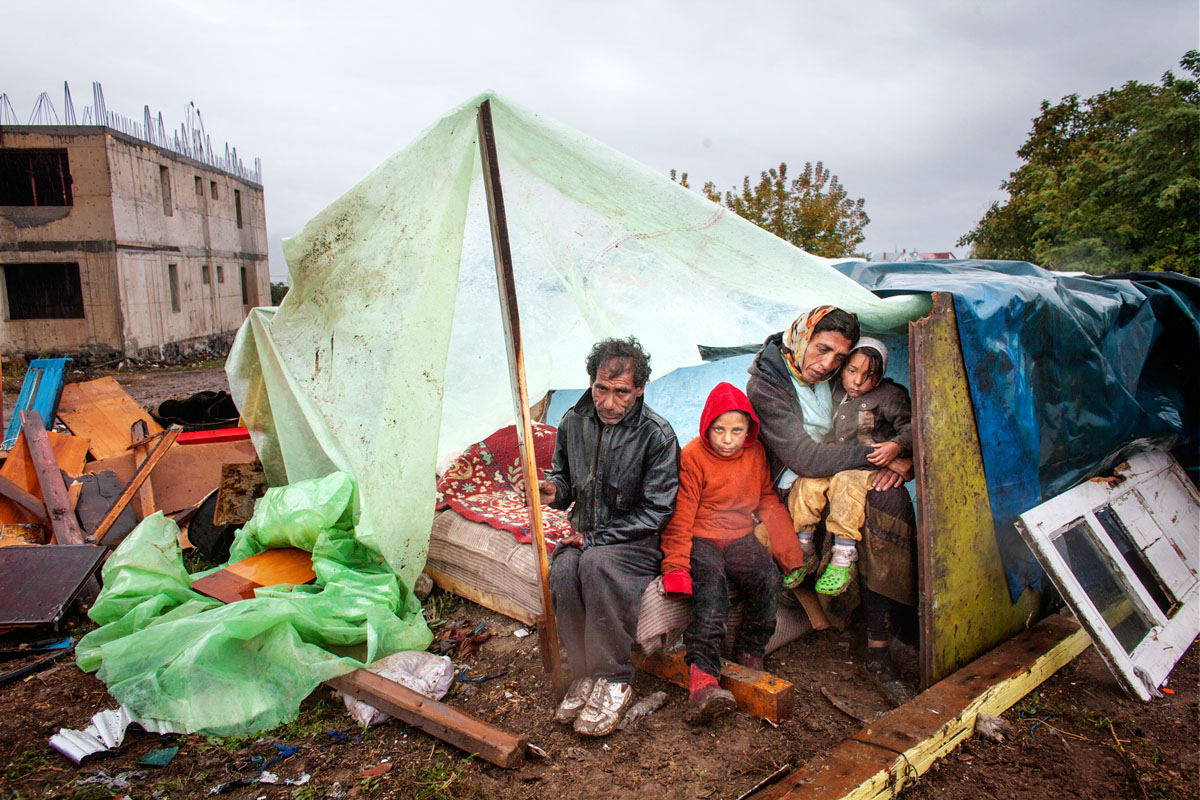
[(278, 292), (1109, 184), (813, 212)]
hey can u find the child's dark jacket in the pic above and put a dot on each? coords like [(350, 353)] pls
[(883, 414)]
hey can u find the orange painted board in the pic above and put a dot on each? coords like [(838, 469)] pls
[(102, 411), (70, 452), (286, 565), (186, 475)]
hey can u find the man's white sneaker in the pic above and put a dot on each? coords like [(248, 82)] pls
[(574, 700), (605, 707)]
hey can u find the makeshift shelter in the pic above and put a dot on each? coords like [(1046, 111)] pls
[(387, 355)]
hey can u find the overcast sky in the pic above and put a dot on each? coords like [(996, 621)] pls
[(918, 107)]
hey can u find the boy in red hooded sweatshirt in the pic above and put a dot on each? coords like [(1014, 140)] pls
[(724, 484)]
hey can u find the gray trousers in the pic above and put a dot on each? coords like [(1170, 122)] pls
[(597, 594)]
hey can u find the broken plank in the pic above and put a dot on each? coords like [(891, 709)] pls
[(135, 483), (467, 733), (69, 453), (102, 411), (186, 475), (140, 446), (50, 479), (931, 725), (215, 436), (26, 500), (284, 565), (760, 694)]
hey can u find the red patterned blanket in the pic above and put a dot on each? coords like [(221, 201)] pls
[(481, 485)]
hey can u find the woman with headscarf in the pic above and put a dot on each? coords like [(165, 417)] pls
[(790, 391)]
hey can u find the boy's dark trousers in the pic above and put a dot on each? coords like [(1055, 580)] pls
[(747, 565)]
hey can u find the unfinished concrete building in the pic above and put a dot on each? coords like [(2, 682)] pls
[(113, 246)]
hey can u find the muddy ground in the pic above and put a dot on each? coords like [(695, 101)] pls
[(1078, 735)]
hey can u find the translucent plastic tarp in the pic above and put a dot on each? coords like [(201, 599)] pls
[(388, 353), (1069, 374), (169, 653)]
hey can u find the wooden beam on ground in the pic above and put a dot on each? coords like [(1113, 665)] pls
[(760, 694), (54, 489), (893, 751), (965, 605), (139, 477), (452, 726), (140, 446), (495, 602)]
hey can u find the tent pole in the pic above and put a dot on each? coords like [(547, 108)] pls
[(547, 627)]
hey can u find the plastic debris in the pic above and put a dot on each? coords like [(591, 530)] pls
[(106, 731), (423, 672), (160, 757), (643, 708), (993, 728), (521, 633)]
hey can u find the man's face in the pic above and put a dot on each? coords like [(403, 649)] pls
[(614, 397), (825, 354)]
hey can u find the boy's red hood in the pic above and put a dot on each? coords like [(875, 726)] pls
[(727, 397)]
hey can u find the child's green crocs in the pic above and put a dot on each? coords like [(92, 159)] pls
[(835, 580), (795, 577)]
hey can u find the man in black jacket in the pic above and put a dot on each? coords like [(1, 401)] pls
[(618, 462)]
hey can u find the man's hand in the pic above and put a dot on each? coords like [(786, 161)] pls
[(883, 453), (574, 540), (547, 491)]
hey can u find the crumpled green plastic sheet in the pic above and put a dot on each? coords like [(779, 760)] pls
[(388, 354), (169, 653)]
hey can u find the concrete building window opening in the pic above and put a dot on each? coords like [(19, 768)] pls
[(245, 292), (173, 280), (205, 277), (164, 177), (44, 290), (220, 274), (199, 186), (31, 177), (212, 189), (237, 206)]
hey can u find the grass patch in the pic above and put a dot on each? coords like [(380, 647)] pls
[(441, 607), (436, 781), (312, 721), (27, 762)]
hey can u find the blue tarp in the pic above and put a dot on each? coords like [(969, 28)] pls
[(1069, 374)]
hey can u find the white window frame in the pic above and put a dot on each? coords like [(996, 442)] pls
[(1167, 538)]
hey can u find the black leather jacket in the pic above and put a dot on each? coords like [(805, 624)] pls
[(622, 478)]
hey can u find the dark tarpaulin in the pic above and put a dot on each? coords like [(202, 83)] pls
[(1069, 374)]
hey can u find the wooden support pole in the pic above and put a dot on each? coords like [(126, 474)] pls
[(506, 283), (54, 490), (758, 693), (139, 477), (893, 751), (455, 727)]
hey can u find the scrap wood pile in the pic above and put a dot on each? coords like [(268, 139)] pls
[(117, 490)]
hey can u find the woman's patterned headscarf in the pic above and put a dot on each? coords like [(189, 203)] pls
[(797, 337)]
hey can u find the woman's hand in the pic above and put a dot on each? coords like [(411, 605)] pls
[(893, 475)]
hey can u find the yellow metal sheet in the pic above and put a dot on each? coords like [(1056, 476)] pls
[(965, 605)]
